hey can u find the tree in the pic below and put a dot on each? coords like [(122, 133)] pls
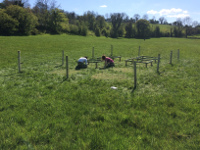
[(143, 28), (195, 24), (157, 31), (26, 19), (8, 25), (83, 29), (178, 23), (56, 17), (89, 18), (136, 17), (145, 17), (100, 22), (97, 31), (161, 19), (165, 21), (121, 31), (72, 16), (21, 3), (130, 31), (125, 17), (177, 32), (116, 20), (42, 10), (153, 20), (187, 23)]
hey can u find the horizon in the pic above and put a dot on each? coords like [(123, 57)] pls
[(170, 10)]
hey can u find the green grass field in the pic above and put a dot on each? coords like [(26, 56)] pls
[(41, 109)]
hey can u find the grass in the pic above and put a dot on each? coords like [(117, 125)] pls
[(163, 28), (194, 36), (40, 109)]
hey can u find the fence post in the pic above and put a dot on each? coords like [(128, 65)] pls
[(111, 50), (139, 51), (67, 68), (63, 57), (178, 54), (171, 57), (158, 63), (93, 52), (135, 75), (19, 61)]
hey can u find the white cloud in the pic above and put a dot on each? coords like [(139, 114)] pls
[(153, 12), (104, 6), (178, 16), (172, 13)]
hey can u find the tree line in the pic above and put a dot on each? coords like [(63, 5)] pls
[(17, 18)]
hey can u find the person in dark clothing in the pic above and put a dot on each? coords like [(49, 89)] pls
[(108, 62)]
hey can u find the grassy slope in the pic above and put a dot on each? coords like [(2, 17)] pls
[(39, 109)]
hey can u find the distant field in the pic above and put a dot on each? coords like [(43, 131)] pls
[(163, 28), (41, 109), (195, 36)]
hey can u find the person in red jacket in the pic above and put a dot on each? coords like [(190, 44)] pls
[(108, 62)]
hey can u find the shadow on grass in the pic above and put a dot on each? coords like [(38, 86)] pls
[(105, 68), (158, 72), (58, 66), (133, 90)]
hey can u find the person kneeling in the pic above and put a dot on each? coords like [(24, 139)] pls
[(108, 62), (82, 63)]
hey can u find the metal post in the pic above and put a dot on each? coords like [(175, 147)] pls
[(19, 61), (135, 75), (158, 63), (63, 57), (171, 53), (67, 68)]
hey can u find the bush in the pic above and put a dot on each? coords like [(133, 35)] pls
[(27, 20), (97, 32), (105, 32), (65, 27), (83, 30), (74, 29), (8, 25), (121, 32)]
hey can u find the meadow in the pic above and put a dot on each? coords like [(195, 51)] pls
[(41, 109)]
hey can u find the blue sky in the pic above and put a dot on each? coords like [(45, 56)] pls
[(169, 9)]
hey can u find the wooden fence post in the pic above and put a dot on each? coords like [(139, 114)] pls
[(171, 53), (158, 63), (139, 51), (93, 52), (178, 54), (63, 57), (67, 68), (111, 50), (19, 61), (135, 75)]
